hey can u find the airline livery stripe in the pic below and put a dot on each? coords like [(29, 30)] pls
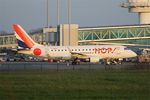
[(18, 37), (22, 34), (21, 44)]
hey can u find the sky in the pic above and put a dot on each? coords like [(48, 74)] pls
[(31, 14)]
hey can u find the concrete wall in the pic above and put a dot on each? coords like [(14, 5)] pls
[(68, 35)]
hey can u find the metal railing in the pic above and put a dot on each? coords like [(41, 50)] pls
[(13, 66)]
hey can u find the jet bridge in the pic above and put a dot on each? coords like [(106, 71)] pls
[(129, 34)]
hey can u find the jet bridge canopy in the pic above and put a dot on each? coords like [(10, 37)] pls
[(133, 34)]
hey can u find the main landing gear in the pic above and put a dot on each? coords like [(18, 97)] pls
[(76, 61), (113, 61)]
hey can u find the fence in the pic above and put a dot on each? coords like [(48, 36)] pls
[(10, 66)]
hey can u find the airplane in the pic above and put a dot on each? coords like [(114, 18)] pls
[(91, 53)]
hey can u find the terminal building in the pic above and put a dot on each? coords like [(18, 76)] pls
[(133, 35)]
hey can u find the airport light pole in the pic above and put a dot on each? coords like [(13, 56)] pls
[(58, 12), (47, 18), (47, 13), (58, 21), (69, 18)]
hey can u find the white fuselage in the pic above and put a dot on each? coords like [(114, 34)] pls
[(99, 51)]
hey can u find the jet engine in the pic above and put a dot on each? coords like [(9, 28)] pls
[(94, 59)]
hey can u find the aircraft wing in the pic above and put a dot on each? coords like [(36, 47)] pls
[(79, 55)]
